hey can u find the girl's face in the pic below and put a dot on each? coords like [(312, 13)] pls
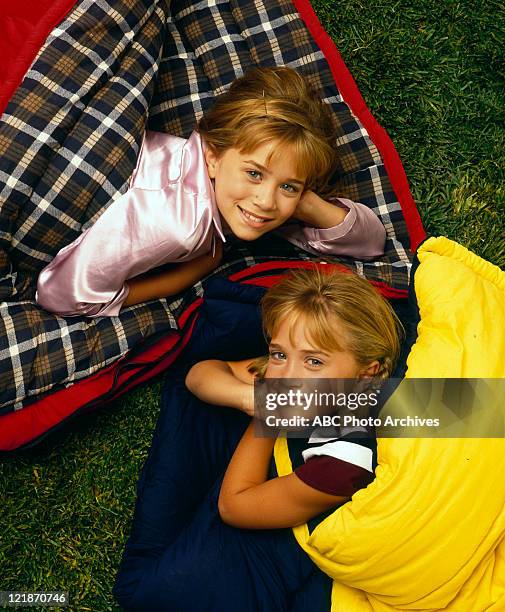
[(297, 357), (253, 196)]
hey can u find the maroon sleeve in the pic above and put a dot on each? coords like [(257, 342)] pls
[(333, 476)]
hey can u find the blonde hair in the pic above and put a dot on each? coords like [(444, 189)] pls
[(369, 328), (274, 104)]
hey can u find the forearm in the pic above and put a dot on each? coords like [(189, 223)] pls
[(356, 231), (162, 284), (213, 382), (249, 500), (248, 466)]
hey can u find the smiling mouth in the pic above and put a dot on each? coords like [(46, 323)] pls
[(253, 218)]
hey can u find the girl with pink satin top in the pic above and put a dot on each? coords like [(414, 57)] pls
[(258, 158)]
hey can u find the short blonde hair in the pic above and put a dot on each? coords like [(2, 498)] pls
[(368, 326), (278, 105)]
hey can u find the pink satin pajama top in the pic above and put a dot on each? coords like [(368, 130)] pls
[(169, 215)]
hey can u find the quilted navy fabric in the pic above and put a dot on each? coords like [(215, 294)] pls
[(180, 555)]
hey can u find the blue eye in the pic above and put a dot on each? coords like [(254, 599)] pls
[(277, 355), (289, 188), (313, 362), (253, 174)]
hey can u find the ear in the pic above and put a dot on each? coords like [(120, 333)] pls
[(370, 370), (211, 159)]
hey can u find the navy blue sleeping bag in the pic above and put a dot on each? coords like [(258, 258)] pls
[(180, 556)]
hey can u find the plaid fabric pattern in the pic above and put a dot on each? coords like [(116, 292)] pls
[(68, 144)]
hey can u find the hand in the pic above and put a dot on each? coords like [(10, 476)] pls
[(218, 252), (248, 400), (178, 278), (316, 212), (223, 383), (208, 262), (302, 210)]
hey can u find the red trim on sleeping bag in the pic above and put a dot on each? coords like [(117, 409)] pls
[(23, 426), (271, 280), (24, 27), (353, 98)]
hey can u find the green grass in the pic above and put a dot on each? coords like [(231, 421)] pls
[(66, 504), (431, 74)]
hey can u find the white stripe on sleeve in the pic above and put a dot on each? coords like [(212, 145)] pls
[(345, 451)]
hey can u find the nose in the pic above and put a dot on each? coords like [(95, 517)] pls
[(264, 198), (291, 379)]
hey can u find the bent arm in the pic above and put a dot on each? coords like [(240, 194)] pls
[(87, 277), (223, 383), (249, 501), (342, 227), (162, 284), (139, 289)]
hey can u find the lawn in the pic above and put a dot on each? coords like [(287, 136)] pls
[(432, 75)]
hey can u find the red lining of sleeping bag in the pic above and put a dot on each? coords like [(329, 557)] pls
[(353, 98), (23, 426), (270, 280), (24, 27)]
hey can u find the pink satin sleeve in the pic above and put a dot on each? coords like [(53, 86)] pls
[(87, 277), (361, 235)]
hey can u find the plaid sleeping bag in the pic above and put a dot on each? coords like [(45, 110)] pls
[(69, 138)]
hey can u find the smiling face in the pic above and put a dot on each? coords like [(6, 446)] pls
[(256, 191), (293, 355)]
